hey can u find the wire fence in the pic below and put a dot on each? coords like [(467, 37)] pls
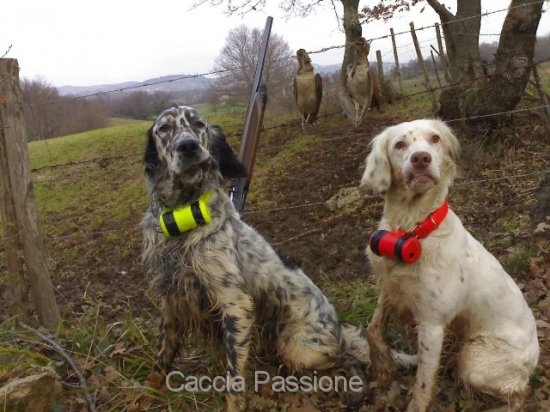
[(136, 156)]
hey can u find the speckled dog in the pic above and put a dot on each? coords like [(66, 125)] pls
[(222, 276)]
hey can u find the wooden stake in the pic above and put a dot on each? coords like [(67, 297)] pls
[(397, 67), (13, 135), (442, 55), (421, 62)]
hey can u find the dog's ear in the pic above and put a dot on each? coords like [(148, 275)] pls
[(220, 150), (451, 146), (151, 157), (377, 175)]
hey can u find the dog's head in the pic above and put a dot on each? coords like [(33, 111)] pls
[(362, 47), (183, 151), (412, 156)]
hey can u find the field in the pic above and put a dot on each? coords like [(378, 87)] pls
[(90, 195)]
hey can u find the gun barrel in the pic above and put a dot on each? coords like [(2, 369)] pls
[(261, 60), (253, 125)]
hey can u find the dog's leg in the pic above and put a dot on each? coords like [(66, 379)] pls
[(169, 343), (430, 342), (382, 363), (237, 321), (496, 368)]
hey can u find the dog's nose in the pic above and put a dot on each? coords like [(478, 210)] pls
[(421, 160), (187, 146)]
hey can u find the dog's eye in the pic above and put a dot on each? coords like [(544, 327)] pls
[(436, 139), (400, 145), (164, 128), (200, 124)]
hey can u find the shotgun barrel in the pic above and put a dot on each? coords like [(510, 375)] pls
[(252, 127)]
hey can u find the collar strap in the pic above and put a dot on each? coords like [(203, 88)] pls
[(432, 222), (186, 217)]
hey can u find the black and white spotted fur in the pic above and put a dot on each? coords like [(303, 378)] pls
[(224, 276)]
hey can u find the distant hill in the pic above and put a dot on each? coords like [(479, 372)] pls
[(171, 83), (327, 69)]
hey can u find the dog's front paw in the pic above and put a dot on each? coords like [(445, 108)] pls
[(417, 404), (236, 402), (414, 407)]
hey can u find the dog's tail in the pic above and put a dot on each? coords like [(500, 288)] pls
[(404, 359)]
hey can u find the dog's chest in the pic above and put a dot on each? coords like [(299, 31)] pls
[(426, 290)]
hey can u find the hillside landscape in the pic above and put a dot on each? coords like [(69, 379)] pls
[(91, 198)]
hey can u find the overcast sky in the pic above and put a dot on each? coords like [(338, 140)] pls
[(69, 42)]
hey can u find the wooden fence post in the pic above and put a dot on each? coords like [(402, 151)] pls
[(380, 64), (13, 137), (396, 58), (423, 65), (436, 71), (442, 55), (17, 286)]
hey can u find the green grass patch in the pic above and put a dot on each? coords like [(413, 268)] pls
[(123, 139), (89, 179), (354, 299)]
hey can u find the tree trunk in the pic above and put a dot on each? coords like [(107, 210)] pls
[(474, 94), (352, 30), (14, 135), (461, 31), (513, 61)]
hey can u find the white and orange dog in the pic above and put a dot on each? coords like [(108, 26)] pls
[(455, 280)]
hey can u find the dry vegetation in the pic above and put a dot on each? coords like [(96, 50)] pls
[(90, 208)]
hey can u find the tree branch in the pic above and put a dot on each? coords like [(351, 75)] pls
[(444, 14), (83, 384)]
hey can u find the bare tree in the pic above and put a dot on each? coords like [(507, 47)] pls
[(237, 63), (39, 116), (474, 93), (513, 61), (48, 114), (350, 19)]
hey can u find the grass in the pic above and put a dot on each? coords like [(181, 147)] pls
[(90, 160), (119, 140), (268, 166), (355, 300), (100, 188)]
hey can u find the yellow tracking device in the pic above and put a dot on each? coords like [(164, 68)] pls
[(186, 217)]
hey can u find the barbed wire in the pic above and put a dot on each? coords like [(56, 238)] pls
[(214, 72), (290, 207), (406, 96), (185, 77), (6, 52), (454, 21), (273, 147)]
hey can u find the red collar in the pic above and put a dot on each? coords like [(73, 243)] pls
[(424, 228)]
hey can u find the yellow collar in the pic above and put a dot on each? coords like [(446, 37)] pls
[(186, 217)]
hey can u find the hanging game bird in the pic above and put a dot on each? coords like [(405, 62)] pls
[(359, 88), (308, 89)]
